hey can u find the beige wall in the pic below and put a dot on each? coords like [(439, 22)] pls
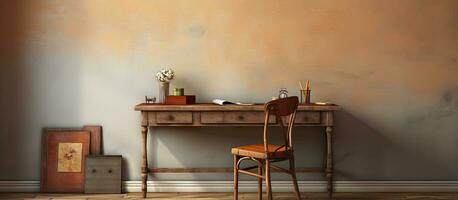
[(392, 65)]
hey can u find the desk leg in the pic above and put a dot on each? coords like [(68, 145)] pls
[(329, 160), (144, 160)]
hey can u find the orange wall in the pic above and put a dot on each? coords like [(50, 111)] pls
[(391, 64)]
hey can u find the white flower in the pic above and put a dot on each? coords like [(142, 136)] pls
[(165, 75)]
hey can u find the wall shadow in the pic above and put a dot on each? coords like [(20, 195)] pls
[(13, 18), (359, 149), (361, 152), (40, 85)]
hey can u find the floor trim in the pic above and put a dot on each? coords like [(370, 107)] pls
[(250, 186)]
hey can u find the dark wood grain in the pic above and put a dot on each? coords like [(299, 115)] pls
[(96, 139)]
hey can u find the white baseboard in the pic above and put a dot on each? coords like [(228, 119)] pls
[(250, 186), (19, 186)]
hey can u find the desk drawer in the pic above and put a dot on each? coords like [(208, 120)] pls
[(174, 117), (308, 118), (233, 118)]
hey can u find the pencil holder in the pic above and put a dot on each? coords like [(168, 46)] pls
[(305, 96)]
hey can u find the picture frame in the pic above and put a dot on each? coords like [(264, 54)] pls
[(96, 139), (63, 159), (96, 136)]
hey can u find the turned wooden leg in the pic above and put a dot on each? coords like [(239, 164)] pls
[(292, 168), (268, 183), (144, 160), (260, 182), (236, 178), (329, 160)]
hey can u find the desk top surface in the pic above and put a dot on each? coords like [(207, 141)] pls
[(214, 107)]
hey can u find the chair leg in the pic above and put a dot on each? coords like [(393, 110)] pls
[(293, 174), (268, 183), (260, 182), (236, 178)]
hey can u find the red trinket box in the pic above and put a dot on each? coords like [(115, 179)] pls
[(180, 100)]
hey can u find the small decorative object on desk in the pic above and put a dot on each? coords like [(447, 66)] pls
[(283, 93), (150, 100), (178, 91), (305, 93), (180, 100), (164, 77)]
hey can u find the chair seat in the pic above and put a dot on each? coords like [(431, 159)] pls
[(257, 151)]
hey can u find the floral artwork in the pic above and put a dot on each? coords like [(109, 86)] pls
[(69, 157)]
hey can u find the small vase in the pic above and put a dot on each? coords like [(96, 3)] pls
[(163, 91)]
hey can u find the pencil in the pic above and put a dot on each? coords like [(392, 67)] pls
[(300, 84)]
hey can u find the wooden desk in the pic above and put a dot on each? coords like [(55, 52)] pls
[(229, 115)]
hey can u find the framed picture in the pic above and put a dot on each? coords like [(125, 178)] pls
[(96, 138), (63, 159)]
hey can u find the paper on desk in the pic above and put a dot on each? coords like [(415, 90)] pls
[(226, 102)]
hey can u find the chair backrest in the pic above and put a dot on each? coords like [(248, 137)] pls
[(281, 108)]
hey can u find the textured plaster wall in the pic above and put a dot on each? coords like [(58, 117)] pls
[(392, 65)]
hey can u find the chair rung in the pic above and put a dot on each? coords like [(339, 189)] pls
[(250, 173)]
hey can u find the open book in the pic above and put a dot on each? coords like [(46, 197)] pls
[(226, 102)]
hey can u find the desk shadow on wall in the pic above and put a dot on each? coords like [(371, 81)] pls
[(358, 149), (361, 151), (191, 147)]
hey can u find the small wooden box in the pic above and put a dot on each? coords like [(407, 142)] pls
[(180, 100), (103, 174)]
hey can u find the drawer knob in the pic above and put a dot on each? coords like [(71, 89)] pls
[(109, 171), (306, 118), (241, 117), (171, 118), (93, 170)]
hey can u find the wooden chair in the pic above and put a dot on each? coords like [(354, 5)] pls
[(265, 154)]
